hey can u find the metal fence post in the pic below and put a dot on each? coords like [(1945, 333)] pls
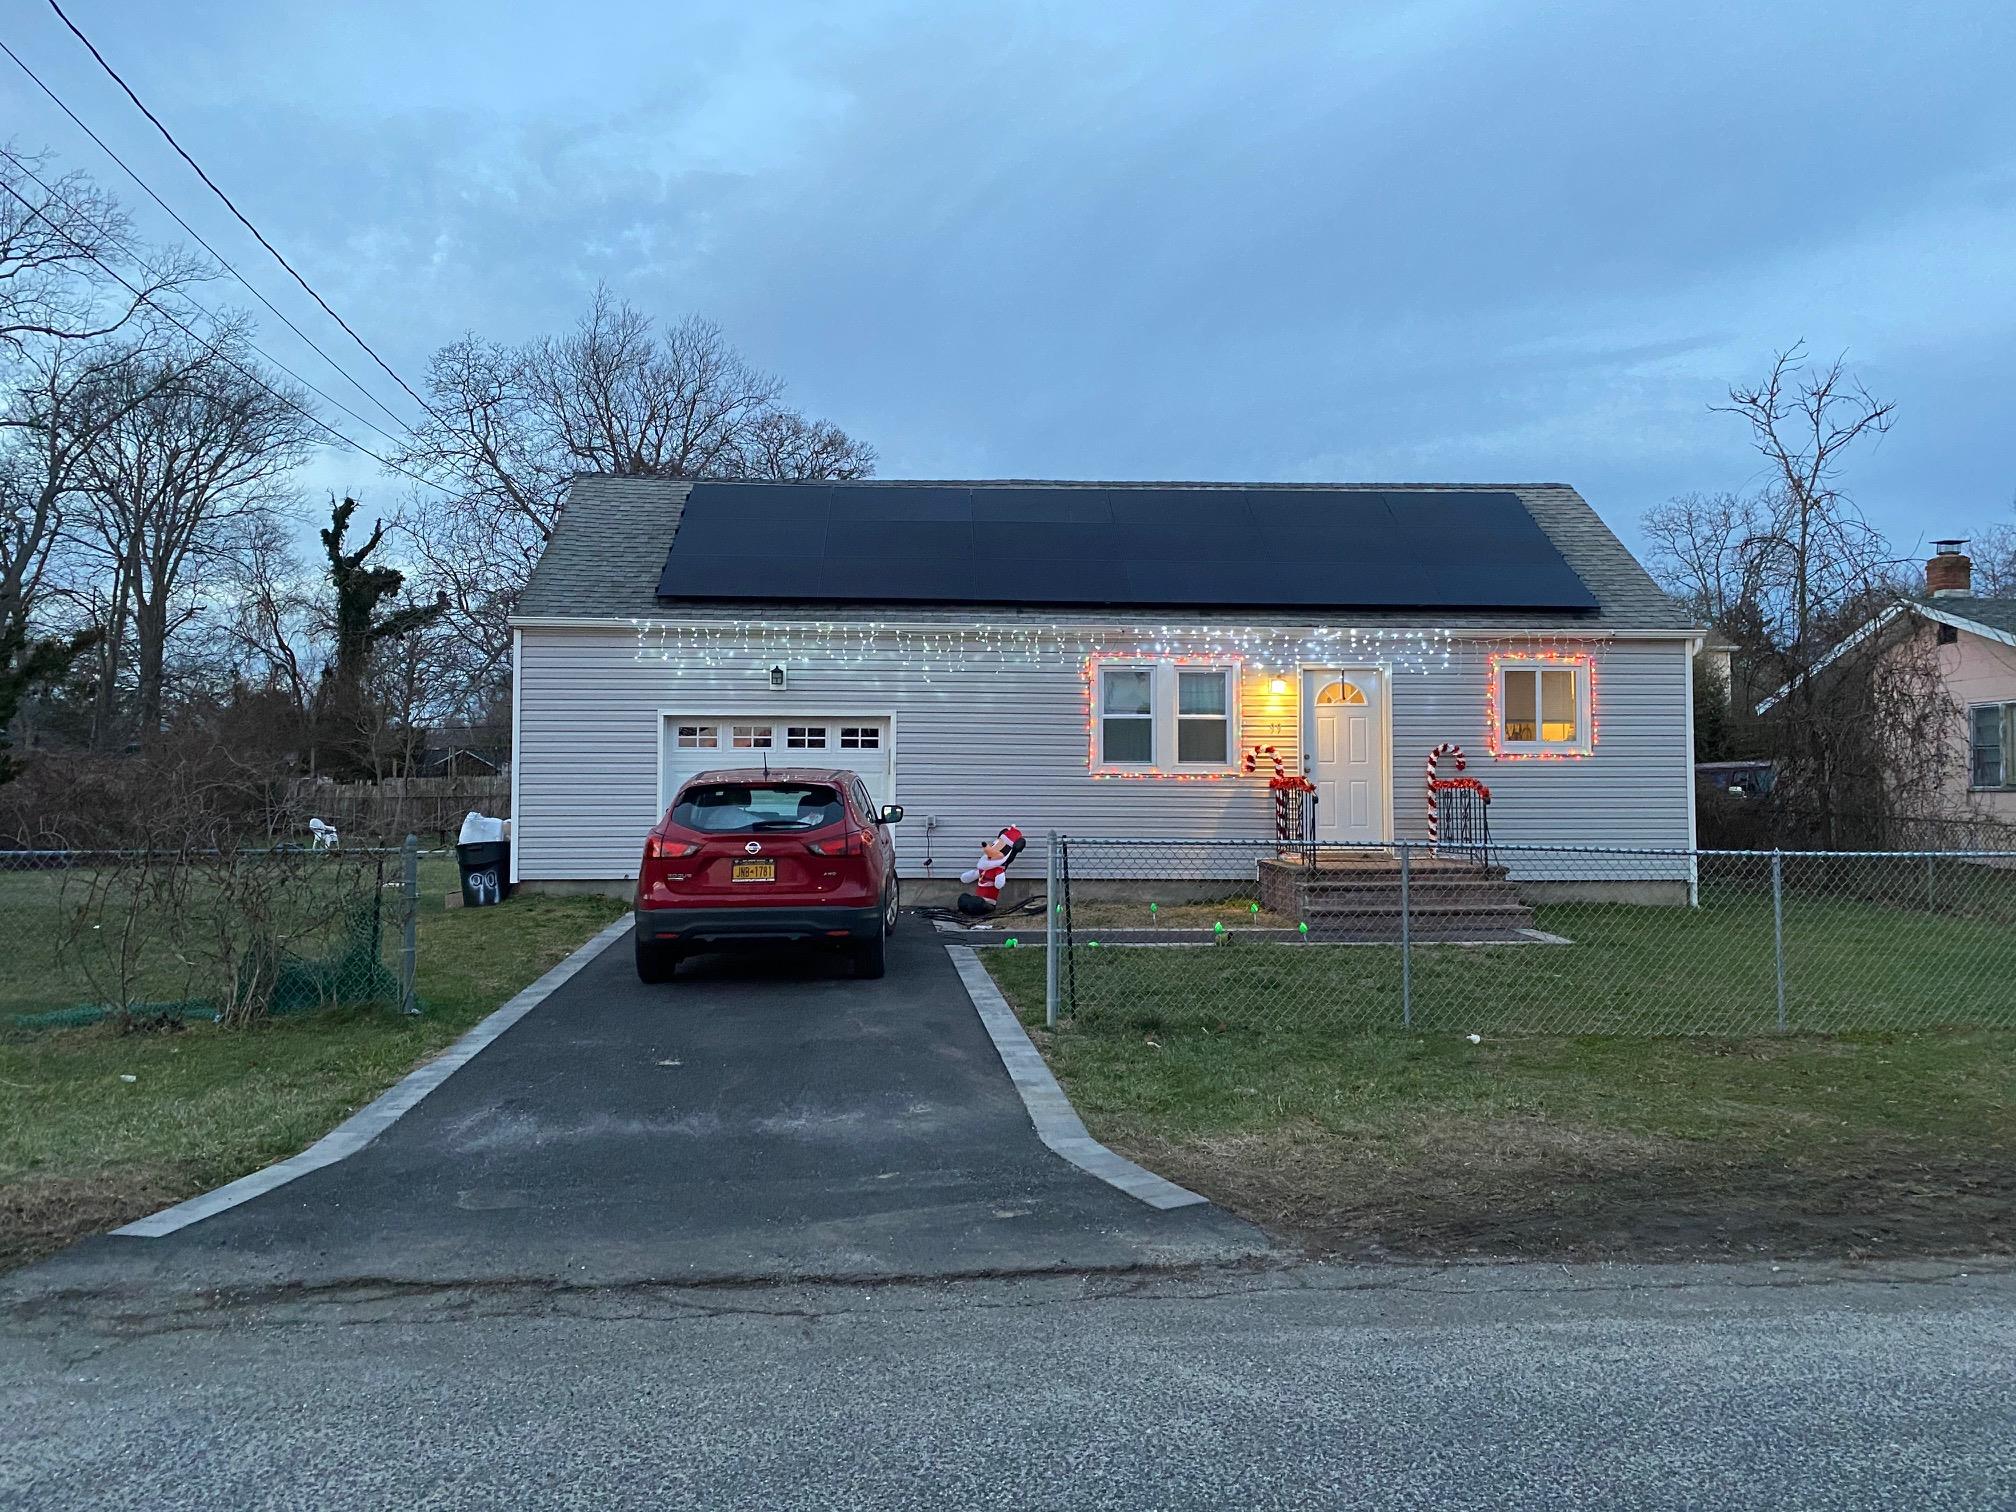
[(1052, 944), (409, 949), (1406, 939), (1778, 928)]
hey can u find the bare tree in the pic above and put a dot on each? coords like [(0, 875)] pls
[(1817, 552), (59, 236), (511, 426), (204, 448), (1994, 552), (1786, 575)]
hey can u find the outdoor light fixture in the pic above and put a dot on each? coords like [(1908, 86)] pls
[(1279, 685), (777, 678)]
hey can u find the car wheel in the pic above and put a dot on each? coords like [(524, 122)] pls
[(656, 963), (892, 905), (871, 958)]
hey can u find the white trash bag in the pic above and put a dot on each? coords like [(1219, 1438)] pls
[(480, 829)]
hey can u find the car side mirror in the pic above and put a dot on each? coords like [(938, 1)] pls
[(892, 813)]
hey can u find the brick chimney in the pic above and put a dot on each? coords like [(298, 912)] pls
[(1949, 573)]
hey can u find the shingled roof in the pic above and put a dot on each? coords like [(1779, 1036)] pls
[(604, 560)]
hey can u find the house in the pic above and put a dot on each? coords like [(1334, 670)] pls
[(458, 761), (1095, 658), (1973, 647)]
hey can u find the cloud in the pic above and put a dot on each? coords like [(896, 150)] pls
[(1421, 238)]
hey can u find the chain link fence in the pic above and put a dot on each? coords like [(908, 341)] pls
[(1151, 934), (231, 936)]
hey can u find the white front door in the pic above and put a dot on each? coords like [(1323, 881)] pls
[(1347, 746)]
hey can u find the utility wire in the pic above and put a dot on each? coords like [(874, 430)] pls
[(211, 347), (259, 235), (223, 261), (127, 247)]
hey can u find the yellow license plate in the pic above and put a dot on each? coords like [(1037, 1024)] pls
[(755, 871)]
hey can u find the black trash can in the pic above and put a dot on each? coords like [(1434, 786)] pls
[(486, 872)]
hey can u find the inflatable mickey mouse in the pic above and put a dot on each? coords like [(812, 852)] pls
[(987, 874)]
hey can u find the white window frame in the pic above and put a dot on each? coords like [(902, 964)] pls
[(1585, 723), (1164, 712), (706, 737), (2008, 709)]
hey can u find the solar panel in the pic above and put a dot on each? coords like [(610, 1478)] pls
[(1162, 547)]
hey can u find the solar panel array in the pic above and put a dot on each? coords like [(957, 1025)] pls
[(1315, 547)]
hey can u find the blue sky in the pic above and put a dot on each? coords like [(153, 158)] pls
[(1442, 241)]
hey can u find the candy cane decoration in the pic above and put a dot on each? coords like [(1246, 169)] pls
[(1447, 748), (1285, 787)]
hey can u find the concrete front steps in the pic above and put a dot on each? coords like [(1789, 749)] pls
[(1448, 899)]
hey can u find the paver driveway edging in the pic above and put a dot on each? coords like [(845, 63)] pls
[(1057, 1122), (378, 1115)]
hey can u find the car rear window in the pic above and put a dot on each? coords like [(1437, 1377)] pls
[(739, 808)]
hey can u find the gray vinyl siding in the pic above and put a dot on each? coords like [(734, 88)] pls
[(982, 748)]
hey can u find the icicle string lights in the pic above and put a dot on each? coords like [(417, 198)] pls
[(938, 651)]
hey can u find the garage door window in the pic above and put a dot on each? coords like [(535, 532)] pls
[(753, 737), (860, 738), (805, 737), (699, 737)]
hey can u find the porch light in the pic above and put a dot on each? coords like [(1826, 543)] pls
[(1279, 685)]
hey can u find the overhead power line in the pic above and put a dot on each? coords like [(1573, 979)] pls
[(128, 248), (256, 232), (211, 347), (222, 260)]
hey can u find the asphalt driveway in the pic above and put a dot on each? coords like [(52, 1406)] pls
[(756, 1119)]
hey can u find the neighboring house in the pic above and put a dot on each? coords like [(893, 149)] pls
[(460, 761), (1095, 659), (1974, 648)]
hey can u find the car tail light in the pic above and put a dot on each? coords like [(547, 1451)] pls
[(842, 845), (659, 849)]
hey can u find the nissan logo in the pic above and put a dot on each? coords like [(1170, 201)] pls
[(752, 847)]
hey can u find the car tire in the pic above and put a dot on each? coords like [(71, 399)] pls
[(892, 905), (656, 963)]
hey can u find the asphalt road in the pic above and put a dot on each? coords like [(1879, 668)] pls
[(757, 1118), (1498, 1388)]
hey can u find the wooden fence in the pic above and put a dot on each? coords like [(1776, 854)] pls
[(430, 807)]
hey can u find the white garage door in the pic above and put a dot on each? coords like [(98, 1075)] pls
[(694, 743)]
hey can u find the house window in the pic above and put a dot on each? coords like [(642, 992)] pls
[(1543, 707), (1990, 731), (699, 737), (805, 737), (860, 738), (1203, 717), (1156, 716), (1341, 692), (752, 737), (1127, 715)]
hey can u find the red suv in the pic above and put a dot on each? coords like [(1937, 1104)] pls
[(749, 857)]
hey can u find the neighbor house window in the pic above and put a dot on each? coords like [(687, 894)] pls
[(805, 737), (752, 737), (1203, 717), (1542, 707), (1127, 715), (1990, 731), (1164, 716), (699, 737), (860, 738)]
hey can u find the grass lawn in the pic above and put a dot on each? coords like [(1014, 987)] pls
[(1271, 1079), (1848, 965), (81, 1150)]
